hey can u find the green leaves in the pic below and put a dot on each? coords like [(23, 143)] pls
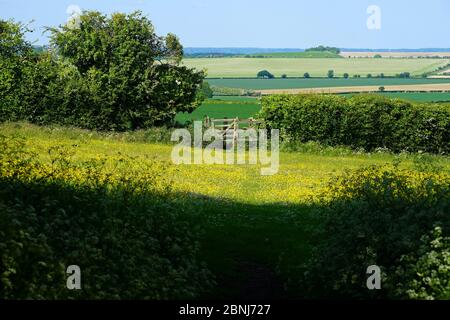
[(111, 73), (116, 218), (366, 122), (383, 215), (132, 74)]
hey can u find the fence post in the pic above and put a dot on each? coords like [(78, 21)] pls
[(235, 131)]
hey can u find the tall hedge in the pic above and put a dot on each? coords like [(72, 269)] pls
[(363, 121)]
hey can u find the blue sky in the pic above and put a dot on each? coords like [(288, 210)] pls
[(264, 23)]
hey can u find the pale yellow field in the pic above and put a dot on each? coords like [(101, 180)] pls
[(352, 54), (316, 67)]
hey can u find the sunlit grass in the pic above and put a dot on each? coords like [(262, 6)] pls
[(301, 175)]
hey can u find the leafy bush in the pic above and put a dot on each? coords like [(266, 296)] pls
[(264, 74), (362, 121), (429, 271), (111, 73), (117, 219), (304, 118), (380, 216), (15, 56), (205, 91)]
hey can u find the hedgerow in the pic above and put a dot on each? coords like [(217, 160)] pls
[(116, 219), (364, 122)]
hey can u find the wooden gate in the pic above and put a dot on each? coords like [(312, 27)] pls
[(228, 128)]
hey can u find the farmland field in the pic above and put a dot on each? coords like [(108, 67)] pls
[(265, 84), (246, 107), (394, 54), (418, 96), (306, 54), (235, 98), (438, 87), (223, 107), (294, 67)]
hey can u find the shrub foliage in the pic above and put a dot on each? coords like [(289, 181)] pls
[(110, 73), (363, 121), (117, 220), (386, 216)]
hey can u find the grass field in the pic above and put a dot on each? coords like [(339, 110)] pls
[(249, 67), (223, 107), (255, 228), (265, 84)]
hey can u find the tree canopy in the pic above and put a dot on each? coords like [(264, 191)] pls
[(264, 74), (324, 48), (108, 73), (15, 55)]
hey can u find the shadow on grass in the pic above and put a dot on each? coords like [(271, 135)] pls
[(254, 251), (146, 246)]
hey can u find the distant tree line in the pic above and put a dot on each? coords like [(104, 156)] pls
[(324, 48), (264, 74)]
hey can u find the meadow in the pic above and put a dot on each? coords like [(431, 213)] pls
[(295, 67), (256, 229)]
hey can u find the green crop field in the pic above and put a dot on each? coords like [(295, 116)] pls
[(264, 84), (246, 107), (418, 96), (294, 67), (226, 107), (235, 98)]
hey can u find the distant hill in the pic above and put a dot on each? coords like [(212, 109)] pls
[(204, 52)]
